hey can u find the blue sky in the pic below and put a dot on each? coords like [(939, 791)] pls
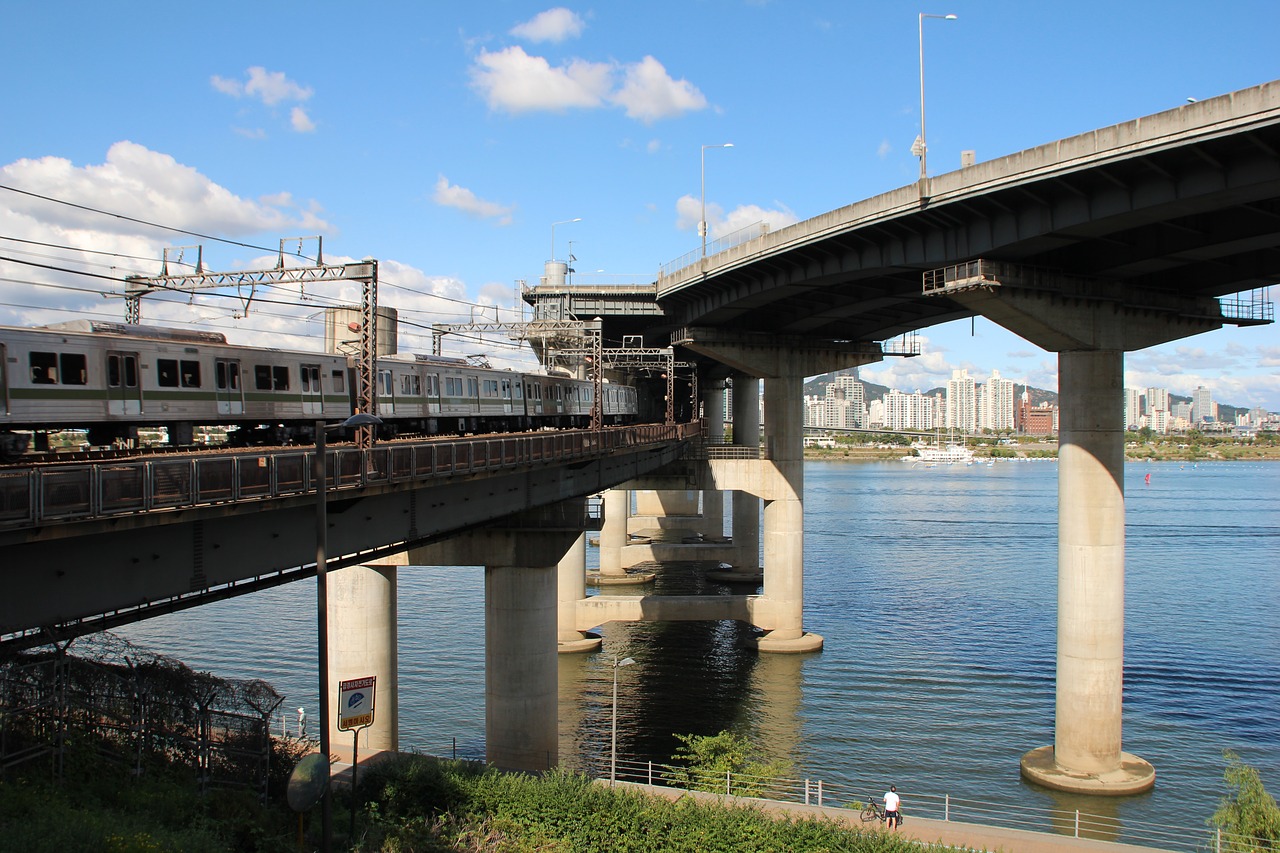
[(445, 139)]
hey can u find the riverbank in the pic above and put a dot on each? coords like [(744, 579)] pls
[(1175, 449)]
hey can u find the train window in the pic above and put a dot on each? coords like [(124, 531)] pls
[(433, 385), (452, 386), (190, 374), (310, 374), (339, 381), (75, 368), (519, 389), (44, 368), (262, 377), (280, 378), (386, 385), (473, 387), (491, 387), (167, 372), (411, 385)]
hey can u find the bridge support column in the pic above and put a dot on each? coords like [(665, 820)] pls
[(1090, 324), (520, 561), (746, 506), (713, 418), (363, 641), (520, 670), (571, 587), (784, 518)]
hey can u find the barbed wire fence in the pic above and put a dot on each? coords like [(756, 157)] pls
[(105, 698)]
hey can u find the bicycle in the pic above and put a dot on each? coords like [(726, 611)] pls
[(872, 811)]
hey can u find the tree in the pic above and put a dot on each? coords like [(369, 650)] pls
[(723, 763), (1248, 817)]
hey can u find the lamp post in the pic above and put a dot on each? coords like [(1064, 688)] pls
[(553, 233), (320, 477), (702, 223), (921, 148), (613, 746)]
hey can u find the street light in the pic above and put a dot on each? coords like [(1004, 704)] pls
[(613, 749), (553, 233), (921, 147), (702, 223), (320, 476)]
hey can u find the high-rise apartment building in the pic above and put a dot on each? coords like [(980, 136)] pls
[(1202, 410), (962, 402), (845, 403), (1132, 408), (909, 411), (996, 403)]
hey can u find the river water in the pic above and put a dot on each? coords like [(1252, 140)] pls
[(935, 590)]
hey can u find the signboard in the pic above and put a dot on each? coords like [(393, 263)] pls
[(355, 703)]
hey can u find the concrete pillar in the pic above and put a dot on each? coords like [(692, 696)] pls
[(784, 517), (1086, 755), (613, 533), (713, 514), (571, 587), (713, 410), (363, 642), (1090, 560), (521, 697), (746, 506)]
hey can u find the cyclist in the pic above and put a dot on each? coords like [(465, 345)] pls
[(891, 803)]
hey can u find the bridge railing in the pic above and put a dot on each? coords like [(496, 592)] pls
[(33, 496), (720, 244)]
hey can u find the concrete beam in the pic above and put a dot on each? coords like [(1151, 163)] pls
[(753, 609), (773, 356)]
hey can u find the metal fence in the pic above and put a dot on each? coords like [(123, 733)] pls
[(720, 244), (33, 496), (856, 794)]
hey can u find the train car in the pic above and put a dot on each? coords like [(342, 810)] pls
[(112, 379)]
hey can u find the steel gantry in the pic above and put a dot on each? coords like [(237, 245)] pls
[(365, 272)]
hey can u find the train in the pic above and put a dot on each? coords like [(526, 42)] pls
[(112, 379)]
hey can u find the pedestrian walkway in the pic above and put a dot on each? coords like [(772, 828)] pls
[(963, 836)]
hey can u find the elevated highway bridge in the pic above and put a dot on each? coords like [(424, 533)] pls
[(1115, 240)]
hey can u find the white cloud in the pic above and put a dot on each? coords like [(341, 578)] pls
[(300, 121), (512, 80), (554, 25), (271, 88), (460, 198), (649, 93), (654, 146), (884, 150), (719, 223)]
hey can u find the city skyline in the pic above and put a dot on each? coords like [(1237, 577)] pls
[(476, 140)]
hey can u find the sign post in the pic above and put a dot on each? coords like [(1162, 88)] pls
[(355, 712)]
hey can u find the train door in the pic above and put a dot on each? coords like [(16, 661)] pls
[(124, 388), (386, 393), (506, 396), (433, 393), (227, 389), (312, 394)]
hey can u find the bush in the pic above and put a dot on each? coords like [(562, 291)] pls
[(1248, 817)]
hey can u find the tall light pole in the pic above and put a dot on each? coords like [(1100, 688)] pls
[(320, 477), (613, 746), (921, 147), (702, 223), (553, 233)]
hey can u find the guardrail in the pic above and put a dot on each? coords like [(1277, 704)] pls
[(816, 792), (30, 497), (720, 244)]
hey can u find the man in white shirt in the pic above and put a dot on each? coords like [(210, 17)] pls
[(891, 803)]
